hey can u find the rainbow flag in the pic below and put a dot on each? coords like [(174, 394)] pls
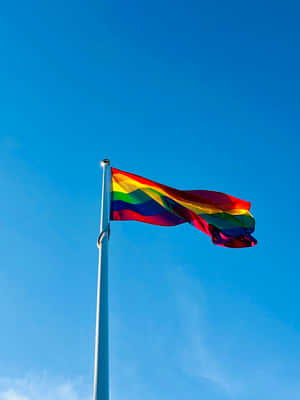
[(224, 218)]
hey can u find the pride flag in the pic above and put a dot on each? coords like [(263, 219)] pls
[(224, 218)]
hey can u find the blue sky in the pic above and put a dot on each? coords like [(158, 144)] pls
[(195, 95)]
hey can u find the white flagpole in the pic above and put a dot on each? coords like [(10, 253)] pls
[(101, 376)]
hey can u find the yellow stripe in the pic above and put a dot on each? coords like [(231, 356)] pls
[(127, 185)]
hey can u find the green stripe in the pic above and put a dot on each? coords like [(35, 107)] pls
[(222, 220), (228, 221), (136, 197)]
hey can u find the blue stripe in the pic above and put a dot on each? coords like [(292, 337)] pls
[(148, 208)]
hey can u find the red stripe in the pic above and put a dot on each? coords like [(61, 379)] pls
[(129, 215)]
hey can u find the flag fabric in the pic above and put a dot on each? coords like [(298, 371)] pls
[(226, 219)]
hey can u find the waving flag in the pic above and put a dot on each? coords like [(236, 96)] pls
[(226, 219)]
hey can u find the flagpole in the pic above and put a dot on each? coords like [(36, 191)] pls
[(101, 373)]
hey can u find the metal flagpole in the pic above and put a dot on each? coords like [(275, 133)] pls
[(101, 376)]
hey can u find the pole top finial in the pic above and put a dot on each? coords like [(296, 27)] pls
[(105, 162)]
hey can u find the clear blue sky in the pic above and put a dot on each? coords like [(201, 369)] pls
[(195, 95)]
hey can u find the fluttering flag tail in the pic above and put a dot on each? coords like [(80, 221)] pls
[(226, 219)]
